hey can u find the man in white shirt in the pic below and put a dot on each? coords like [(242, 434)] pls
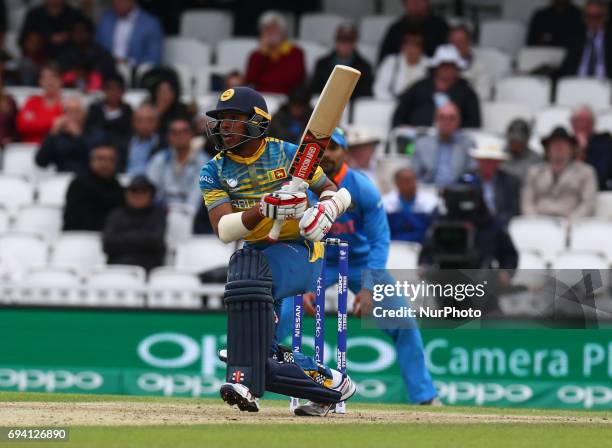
[(399, 71)]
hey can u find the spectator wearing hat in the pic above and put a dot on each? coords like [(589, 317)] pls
[(409, 209), (556, 25), (441, 159), (111, 118), (144, 142), (67, 145), (362, 143), (344, 53), (397, 72), (277, 66), (561, 185), (132, 35), (420, 18), (417, 105), (92, 195), (134, 233), (175, 170), (289, 122), (475, 71), (520, 156), (500, 190), (36, 117), (593, 148), (589, 52)]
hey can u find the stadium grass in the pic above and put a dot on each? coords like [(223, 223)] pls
[(311, 434)]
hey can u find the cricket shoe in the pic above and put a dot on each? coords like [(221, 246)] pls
[(240, 395), (312, 409)]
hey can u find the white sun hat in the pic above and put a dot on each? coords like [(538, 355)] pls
[(447, 54), (489, 147)]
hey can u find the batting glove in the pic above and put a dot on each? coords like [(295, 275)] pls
[(317, 220), (286, 203)]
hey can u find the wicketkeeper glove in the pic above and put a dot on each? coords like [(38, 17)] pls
[(286, 203), (317, 220)]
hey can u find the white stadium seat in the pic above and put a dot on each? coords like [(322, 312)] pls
[(320, 28), (369, 52), (530, 58), (186, 51), (544, 234), (209, 25), (234, 53), (579, 259), (592, 234), (15, 191), (497, 63), (603, 208), (603, 122), (349, 8), (369, 112), (530, 259), (572, 91), (202, 253), (80, 250), (505, 35), (532, 91), (392, 7), (52, 191), (171, 288), (43, 220), (179, 224), (50, 286), (18, 158), (21, 251), (403, 255), (5, 220), (548, 119), (497, 115), (313, 51), (116, 285), (521, 10), (372, 29), (135, 97)]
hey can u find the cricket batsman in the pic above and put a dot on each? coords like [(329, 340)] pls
[(244, 192), (366, 229)]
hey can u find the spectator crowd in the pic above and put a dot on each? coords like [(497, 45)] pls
[(425, 64)]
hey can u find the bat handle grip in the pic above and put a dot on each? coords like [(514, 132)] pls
[(275, 230), (295, 184)]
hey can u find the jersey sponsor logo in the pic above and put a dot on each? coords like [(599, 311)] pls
[(347, 227), (227, 94), (243, 203), (279, 173), (207, 179), (232, 183)]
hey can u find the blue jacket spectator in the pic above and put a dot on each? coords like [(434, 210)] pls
[(145, 141), (442, 159), (409, 210), (175, 171), (131, 34)]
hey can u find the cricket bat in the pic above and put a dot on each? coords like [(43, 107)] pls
[(324, 119)]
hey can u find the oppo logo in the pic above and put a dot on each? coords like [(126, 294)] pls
[(170, 385), (190, 352), (586, 396), (49, 380), (482, 393)]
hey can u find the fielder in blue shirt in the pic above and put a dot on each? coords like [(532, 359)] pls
[(364, 225)]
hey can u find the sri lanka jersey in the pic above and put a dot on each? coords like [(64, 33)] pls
[(242, 181)]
